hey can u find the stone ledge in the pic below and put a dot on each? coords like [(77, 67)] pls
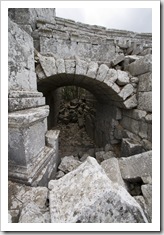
[(28, 116), (24, 94)]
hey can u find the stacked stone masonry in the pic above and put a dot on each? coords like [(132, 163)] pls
[(46, 53)]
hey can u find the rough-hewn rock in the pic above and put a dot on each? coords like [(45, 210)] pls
[(87, 195), (68, 164), (130, 147), (111, 168), (122, 77), (48, 64), (92, 69), (102, 72), (145, 101), (126, 91), (136, 166), (147, 194)]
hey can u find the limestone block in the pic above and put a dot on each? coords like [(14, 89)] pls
[(145, 101), (134, 79), (130, 147), (136, 166), (145, 82), (148, 118), (92, 69), (81, 66), (141, 66), (39, 72), (60, 66), (111, 76), (135, 114), (141, 201), (147, 194), (122, 78), (24, 103), (24, 94), (68, 164), (131, 102), (52, 138), (20, 59), (117, 59), (143, 130), (48, 64), (87, 195), (126, 91), (70, 66), (102, 72), (31, 213), (111, 168)]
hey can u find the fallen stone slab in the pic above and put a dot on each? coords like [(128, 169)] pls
[(68, 164), (130, 147), (134, 167), (87, 195), (111, 168)]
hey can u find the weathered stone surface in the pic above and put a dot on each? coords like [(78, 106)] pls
[(134, 79), (52, 138), (147, 179), (108, 147), (122, 78), (131, 102), (141, 201), (70, 66), (126, 91), (130, 147), (111, 168), (68, 164), (136, 166), (24, 103), (81, 66), (147, 194), (60, 66), (102, 72), (145, 82), (87, 195), (40, 72), (117, 59), (92, 69), (48, 64), (59, 175), (148, 118), (141, 66), (145, 101), (111, 76), (135, 114), (21, 59), (31, 213)]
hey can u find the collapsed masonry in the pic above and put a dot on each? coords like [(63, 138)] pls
[(47, 53)]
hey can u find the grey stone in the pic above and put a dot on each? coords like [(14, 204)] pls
[(31, 213), (14, 215), (81, 66), (141, 66), (122, 78), (40, 72), (148, 118), (9, 217), (130, 147), (145, 82), (137, 50), (108, 147), (141, 201), (134, 79), (92, 69), (126, 91), (111, 168), (84, 157), (59, 175), (143, 129), (87, 195), (48, 64), (147, 194), (145, 101), (102, 72), (147, 179), (135, 114), (52, 138), (147, 145), (99, 156), (111, 76), (68, 164), (70, 66), (117, 59), (146, 51), (60, 66), (136, 166), (131, 102)]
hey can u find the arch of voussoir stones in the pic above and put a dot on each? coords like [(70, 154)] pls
[(107, 84)]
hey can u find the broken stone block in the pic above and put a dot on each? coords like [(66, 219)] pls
[(99, 156), (60, 66), (117, 60), (131, 102), (141, 201), (141, 66), (111, 76), (147, 194), (130, 147), (111, 168), (52, 138), (134, 167), (122, 78), (59, 175), (87, 195), (68, 164)]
